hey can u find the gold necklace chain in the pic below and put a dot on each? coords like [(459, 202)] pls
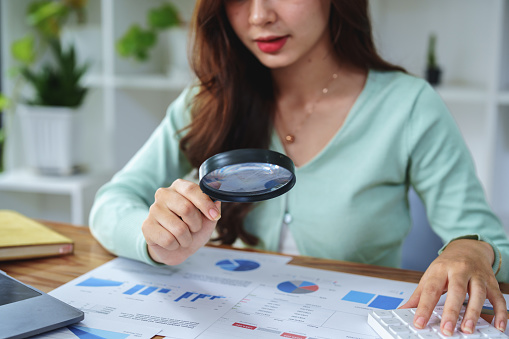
[(290, 136)]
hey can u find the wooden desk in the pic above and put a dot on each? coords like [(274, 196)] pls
[(49, 273)]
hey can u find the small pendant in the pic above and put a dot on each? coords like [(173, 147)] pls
[(289, 139)]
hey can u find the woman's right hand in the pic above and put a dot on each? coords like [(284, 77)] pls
[(180, 221)]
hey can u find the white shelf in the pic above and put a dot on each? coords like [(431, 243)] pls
[(462, 93), (27, 181), (78, 187), (144, 81), (152, 82)]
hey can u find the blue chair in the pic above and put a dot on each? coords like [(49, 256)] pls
[(422, 244)]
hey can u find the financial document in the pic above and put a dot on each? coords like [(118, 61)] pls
[(304, 303), (219, 293), (181, 301)]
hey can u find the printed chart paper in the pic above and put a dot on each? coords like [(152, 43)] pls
[(183, 301), (220, 293), (304, 303)]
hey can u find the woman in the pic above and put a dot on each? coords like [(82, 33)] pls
[(303, 77)]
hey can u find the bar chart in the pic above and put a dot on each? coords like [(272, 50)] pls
[(383, 302), (138, 289)]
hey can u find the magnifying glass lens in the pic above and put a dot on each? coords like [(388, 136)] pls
[(247, 175), (252, 177)]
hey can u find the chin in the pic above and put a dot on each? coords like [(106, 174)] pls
[(274, 62)]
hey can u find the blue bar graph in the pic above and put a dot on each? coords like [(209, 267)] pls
[(148, 290), (95, 282), (385, 303), (201, 296), (358, 297), (184, 296), (216, 297), (145, 290), (134, 289), (198, 296)]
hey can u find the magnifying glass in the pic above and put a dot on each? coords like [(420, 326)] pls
[(247, 175)]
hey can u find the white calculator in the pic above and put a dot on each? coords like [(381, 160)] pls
[(398, 324)]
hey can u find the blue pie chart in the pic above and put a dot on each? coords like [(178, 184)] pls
[(238, 265), (297, 287)]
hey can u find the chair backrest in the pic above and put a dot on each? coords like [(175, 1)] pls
[(422, 244)]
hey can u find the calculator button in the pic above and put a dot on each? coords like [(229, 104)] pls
[(404, 316), (429, 335), (383, 314), (408, 336), (455, 335), (400, 329), (438, 310), (436, 327), (422, 330), (474, 335), (481, 323), (490, 331), (434, 320), (391, 321)]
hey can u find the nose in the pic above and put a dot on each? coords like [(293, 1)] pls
[(261, 13)]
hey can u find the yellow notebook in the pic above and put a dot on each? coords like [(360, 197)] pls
[(23, 238)]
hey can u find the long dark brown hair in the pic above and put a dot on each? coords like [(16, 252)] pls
[(235, 106)]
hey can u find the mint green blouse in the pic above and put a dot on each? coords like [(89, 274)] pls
[(350, 201)]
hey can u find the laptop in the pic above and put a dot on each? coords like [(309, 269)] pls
[(26, 311)]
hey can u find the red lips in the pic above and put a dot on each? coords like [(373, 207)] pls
[(271, 44)]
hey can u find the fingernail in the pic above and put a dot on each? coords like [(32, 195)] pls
[(420, 322), (501, 326), (214, 214), (469, 327), (448, 328)]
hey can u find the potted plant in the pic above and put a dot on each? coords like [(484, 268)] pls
[(50, 119), (433, 71), (46, 19), (137, 42)]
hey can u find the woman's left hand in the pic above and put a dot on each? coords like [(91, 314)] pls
[(464, 267)]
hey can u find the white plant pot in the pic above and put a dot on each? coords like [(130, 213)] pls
[(51, 138), (178, 64)]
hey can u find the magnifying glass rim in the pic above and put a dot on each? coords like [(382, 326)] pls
[(241, 156)]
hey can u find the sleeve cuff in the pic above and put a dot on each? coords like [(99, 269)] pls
[(143, 252), (497, 263)]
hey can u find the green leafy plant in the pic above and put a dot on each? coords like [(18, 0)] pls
[(48, 16), (138, 41), (4, 102), (57, 84), (46, 19), (431, 58), (433, 71)]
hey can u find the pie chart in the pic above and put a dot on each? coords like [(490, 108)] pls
[(238, 265), (297, 287)]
